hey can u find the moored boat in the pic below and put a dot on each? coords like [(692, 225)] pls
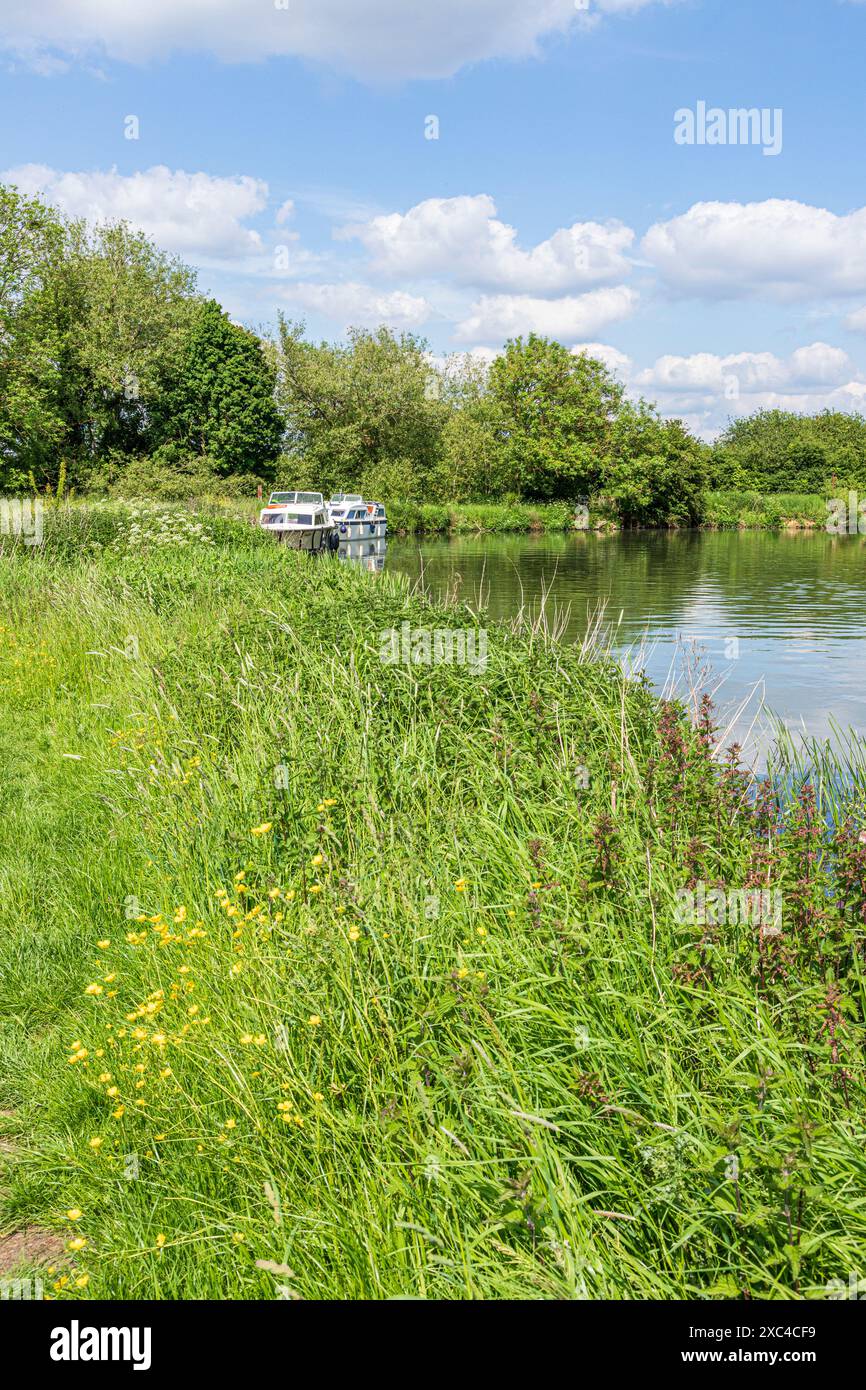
[(300, 520), (357, 519)]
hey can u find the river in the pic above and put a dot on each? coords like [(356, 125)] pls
[(774, 625)]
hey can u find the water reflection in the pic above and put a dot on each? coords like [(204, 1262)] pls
[(366, 554), (770, 622)]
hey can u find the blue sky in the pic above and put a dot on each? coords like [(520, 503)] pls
[(281, 150)]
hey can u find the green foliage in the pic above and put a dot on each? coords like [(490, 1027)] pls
[(31, 423), (181, 478), (218, 401), (359, 416), (780, 451), (656, 470), (728, 510), (556, 413)]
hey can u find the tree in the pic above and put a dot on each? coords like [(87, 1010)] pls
[(360, 414), (31, 422), (469, 466), (218, 401), (781, 451), (556, 413), (656, 471)]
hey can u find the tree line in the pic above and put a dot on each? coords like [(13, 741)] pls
[(117, 375)]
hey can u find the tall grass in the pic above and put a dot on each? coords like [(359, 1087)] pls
[(763, 511), (328, 977)]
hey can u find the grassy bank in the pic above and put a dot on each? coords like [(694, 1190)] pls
[(328, 976), (765, 511), (723, 510)]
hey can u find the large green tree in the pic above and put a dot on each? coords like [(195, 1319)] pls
[(218, 401), (556, 412), (360, 414), (656, 471), (31, 419)]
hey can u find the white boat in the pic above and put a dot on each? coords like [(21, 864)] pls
[(340, 502), (300, 520), (356, 519)]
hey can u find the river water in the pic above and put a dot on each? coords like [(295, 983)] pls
[(774, 625)]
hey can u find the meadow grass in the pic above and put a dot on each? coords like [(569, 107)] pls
[(764, 511), (323, 976)]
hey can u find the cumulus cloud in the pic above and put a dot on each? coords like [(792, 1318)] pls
[(615, 361), (815, 368), (495, 317), (380, 39), (775, 249), (463, 238), (356, 305), (197, 215)]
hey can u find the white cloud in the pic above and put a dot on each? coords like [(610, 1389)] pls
[(495, 317), (706, 389), (389, 39), (356, 305), (193, 215), (617, 362), (778, 249), (857, 321), (463, 238), (704, 374)]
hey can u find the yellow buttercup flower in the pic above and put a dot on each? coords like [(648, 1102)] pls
[(317, 860), (262, 829), (74, 1214), (314, 1021), (97, 1142), (93, 989), (460, 885), (103, 945), (78, 1243), (160, 1241)]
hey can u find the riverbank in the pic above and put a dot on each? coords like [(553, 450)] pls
[(328, 973), (723, 510)]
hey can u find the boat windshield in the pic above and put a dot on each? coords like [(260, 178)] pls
[(312, 499)]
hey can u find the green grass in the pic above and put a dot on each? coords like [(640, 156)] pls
[(723, 510), (529, 1078), (764, 511)]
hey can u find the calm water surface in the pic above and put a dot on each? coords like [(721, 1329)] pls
[(775, 625)]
